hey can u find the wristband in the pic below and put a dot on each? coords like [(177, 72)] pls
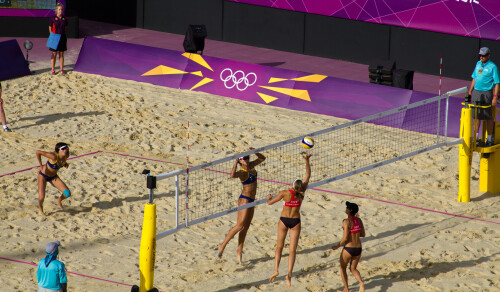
[(495, 95)]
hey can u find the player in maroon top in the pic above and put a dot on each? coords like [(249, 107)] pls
[(57, 24), (353, 231), (289, 220)]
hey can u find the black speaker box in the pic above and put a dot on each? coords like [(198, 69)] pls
[(388, 83), (382, 66), (383, 77), (403, 78), (194, 39)]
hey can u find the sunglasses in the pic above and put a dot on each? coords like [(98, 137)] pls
[(245, 157)]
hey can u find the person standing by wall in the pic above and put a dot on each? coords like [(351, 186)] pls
[(51, 273), (58, 24), (2, 113), (484, 91)]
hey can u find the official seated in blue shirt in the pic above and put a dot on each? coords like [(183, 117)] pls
[(484, 91), (51, 273)]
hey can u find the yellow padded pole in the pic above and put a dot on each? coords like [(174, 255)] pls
[(490, 165), (148, 248), (465, 156)]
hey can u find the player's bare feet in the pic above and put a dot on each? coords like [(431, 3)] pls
[(361, 288), (288, 281), (59, 203), (42, 213), (239, 254), (273, 276)]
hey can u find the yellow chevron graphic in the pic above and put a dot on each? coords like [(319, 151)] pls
[(272, 80), (316, 78), (198, 59), (197, 73), (202, 82), (267, 98), (163, 70), (297, 93)]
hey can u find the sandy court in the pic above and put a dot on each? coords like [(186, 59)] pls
[(405, 248)]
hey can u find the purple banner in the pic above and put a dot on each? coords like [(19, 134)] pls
[(12, 61), (472, 18), (249, 82)]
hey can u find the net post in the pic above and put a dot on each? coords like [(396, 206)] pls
[(177, 201), (151, 184), (147, 252), (446, 118), (187, 196), (465, 156), (438, 121)]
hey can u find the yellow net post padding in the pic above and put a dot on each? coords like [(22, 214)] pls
[(490, 162), (148, 248), (490, 156), (465, 155)]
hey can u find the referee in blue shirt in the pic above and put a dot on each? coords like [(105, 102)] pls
[(51, 273), (484, 91)]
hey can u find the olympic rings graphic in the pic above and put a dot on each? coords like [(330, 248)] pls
[(235, 79)]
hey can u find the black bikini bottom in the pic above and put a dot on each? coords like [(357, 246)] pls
[(353, 251), (290, 222)]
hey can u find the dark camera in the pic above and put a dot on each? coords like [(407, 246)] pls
[(467, 98)]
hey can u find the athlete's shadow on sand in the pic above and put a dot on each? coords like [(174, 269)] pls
[(328, 246), (331, 261), (118, 202), (46, 119), (428, 270), (377, 282), (114, 203)]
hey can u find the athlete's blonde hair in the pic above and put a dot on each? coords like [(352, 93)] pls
[(59, 4), (297, 187)]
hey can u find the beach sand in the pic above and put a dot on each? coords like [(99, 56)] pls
[(405, 248)]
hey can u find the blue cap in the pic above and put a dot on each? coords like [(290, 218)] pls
[(484, 51), (51, 247)]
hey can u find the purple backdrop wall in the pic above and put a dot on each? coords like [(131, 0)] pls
[(473, 18), (255, 83)]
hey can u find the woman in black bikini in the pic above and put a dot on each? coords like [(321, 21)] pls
[(353, 230), (289, 220), (48, 173), (248, 177)]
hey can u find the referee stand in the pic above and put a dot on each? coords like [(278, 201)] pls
[(490, 156)]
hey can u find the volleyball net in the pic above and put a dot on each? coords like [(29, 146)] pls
[(207, 191)]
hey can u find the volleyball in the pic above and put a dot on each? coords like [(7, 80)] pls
[(308, 142)]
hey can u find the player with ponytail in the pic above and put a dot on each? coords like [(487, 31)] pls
[(290, 220)]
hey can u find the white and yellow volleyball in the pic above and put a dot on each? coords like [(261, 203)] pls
[(308, 142)]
